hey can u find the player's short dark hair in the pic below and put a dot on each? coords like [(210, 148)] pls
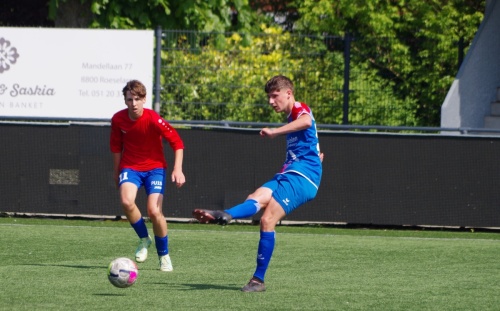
[(136, 88), (277, 83)]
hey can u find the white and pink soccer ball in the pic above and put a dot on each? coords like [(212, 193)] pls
[(123, 272)]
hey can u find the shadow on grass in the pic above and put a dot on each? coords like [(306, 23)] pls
[(110, 295), (187, 287), (209, 286), (64, 266)]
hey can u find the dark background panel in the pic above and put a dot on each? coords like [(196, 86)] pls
[(368, 179)]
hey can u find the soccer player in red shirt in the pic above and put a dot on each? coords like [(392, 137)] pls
[(137, 147)]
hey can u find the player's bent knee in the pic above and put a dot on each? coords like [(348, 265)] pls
[(155, 214), (268, 223), (261, 195), (128, 206)]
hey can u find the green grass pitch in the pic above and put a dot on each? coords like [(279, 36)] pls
[(60, 264)]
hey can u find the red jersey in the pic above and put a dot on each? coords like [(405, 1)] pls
[(140, 141)]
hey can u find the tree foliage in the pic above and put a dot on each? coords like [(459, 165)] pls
[(403, 54), (224, 78), (400, 40), (201, 15)]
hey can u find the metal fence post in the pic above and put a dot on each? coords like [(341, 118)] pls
[(347, 61), (157, 82)]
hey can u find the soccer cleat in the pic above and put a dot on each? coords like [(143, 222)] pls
[(255, 285), (206, 216), (165, 263), (141, 253)]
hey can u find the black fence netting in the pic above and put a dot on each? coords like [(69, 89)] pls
[(369, 179), (344, 79)]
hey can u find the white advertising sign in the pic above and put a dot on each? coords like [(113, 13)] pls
[(71, 73)]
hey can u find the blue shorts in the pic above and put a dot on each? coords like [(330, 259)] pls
[(153, 181), (291, 190)]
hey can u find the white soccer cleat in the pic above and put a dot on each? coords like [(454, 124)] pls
[(165, 263), (141, 253)]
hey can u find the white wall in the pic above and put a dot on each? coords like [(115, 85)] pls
[(474, 89)]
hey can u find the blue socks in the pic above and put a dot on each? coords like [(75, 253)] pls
[(140, 228), (244, 210), (267, 239), (161, 245), (142, 231), (264, 253)]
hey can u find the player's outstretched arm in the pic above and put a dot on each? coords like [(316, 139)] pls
[(302, 123)]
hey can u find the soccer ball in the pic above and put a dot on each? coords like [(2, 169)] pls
[(122, 272)]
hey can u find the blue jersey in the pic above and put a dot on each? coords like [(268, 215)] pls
[(302, 150)]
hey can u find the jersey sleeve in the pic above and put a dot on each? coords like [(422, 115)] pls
[(169, 133)]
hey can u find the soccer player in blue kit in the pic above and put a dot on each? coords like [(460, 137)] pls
[(295, 184)]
